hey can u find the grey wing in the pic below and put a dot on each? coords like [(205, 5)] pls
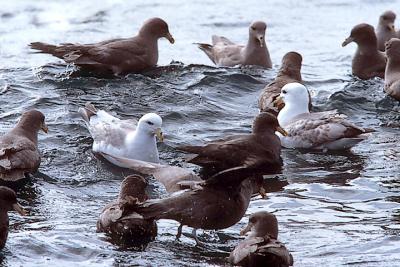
[(228, 55), (128, 125), (221, 39), (18, 155), (106, 134), (320, 128), (324, 115)]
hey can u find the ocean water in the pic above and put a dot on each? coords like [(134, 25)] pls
[(334, 209)]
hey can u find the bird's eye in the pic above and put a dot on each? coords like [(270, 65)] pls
[(284, 92), (385, 18), (150, 123), (253, 28)]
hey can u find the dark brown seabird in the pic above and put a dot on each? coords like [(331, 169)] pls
[(217, 203), (261, 247), (132, 230), (368, 62), (120, 56), (392, 72), (224, 52), (288, 73), (259, 150), (19, 154), (8, 202), (385, 30)]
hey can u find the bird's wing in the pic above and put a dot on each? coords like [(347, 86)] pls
[(276, 248), (244, 249), (130, 51), (321, 128), (228, 55), (109, 132), (233, 176), (18, 154), (221, 40), (173, 178), (235, 147)]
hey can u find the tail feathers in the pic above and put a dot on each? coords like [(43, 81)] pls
[(43, 47), (88, 111), (204, 47), (208, 49)]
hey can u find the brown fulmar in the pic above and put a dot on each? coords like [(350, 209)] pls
[(217, 203), (288, 73), (19, 154), (368, 61), (261, 247), (132, 230), (120, 56), (8, 202), (385, 30), (224, 52), (392, 72), (259, 150)]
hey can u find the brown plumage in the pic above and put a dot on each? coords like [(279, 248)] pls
[(217, 203), (224, 52), (288, 73), (392, 72), (368, 61), (8, 202), (385, 30), (120, 56), (132, 230), (261, 247), (260, 149), (19, 154)]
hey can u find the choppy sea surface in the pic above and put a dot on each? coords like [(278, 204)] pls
[(334, 209)]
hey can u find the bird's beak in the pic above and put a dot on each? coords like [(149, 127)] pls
[(159, 135), (391, 27), (278, 102), (246, 229), (170, 38), (44, 128), (347, 41), (282, 131), (260, 39), (18, 208)]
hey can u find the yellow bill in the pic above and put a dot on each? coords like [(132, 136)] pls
[(159, 135), (45, 128)]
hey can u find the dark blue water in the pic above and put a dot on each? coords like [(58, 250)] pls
[(334, 209)]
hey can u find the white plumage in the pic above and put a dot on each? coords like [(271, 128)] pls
[(123, 138)]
